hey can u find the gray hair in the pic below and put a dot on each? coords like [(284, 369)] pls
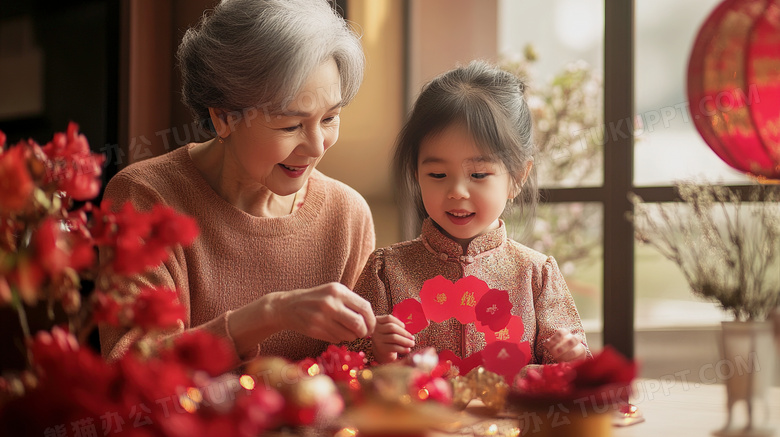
[(490, 103), (252, 53)]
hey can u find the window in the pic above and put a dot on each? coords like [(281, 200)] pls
[(638, 50), (648, 144), (561, 56), (667, 145)]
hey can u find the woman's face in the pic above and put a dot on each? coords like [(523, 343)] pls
[(280, 150), (463, 190)]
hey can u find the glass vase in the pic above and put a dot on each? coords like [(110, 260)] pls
[(746, 369)]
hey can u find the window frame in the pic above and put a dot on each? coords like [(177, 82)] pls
[(618, 298)]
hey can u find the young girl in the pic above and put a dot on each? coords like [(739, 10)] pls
[(466, 151)]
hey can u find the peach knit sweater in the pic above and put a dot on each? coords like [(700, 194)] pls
[(239, 257)]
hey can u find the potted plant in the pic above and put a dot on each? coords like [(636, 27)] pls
[(728, 249)]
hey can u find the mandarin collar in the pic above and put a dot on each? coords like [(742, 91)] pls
[(445, 248)]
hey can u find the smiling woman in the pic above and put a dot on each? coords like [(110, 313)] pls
[(280, 242), (260, 165)]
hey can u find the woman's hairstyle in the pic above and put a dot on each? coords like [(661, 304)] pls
[(490, 103), (250, 54)]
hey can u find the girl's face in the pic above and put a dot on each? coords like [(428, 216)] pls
[(280, 150), (463, 190)]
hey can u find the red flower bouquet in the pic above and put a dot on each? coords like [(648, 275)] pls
[(47, 246), (574, 396), (603, 380)]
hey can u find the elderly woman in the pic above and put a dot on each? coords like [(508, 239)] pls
[(281, 244)]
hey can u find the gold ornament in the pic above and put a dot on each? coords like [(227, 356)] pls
[(480, 384)]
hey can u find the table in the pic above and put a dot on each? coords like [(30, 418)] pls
[(671, 408)]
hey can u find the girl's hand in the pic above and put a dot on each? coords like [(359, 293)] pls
[(390, 338), (565, 346)]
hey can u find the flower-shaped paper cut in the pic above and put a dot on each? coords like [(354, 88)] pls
[(469, 291), (410, 312), (506, 358), (494, 309), (512, 332), (441, 299), (438, 299), (464, 365)]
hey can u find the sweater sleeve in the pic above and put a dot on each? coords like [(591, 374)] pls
[(363, 243), (554, 306), (115, 342)]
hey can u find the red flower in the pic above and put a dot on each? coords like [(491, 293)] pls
[(441, 299), (170, 228), (5, 292), (49, 247), (106, 310), (74, 378), (72, 385), (429, 387), (603, 380), (140, 240), (49, 348), (552, 379), (252, 414), (56, 250), (147, 381), (76, 384), (337, 362), (72, 167), (82, 255), (157, 308), (16, 183), (103, 227), (201, 351), (606, 367), (26, 277)]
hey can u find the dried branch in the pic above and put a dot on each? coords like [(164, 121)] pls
[(726, 247)]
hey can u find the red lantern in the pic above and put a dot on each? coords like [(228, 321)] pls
[(734, 85)]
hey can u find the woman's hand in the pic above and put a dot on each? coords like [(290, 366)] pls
[(565, 346), (390, 338), (330, 312)]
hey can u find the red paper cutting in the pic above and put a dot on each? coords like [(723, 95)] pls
[(513, 331), (441, 299), (506, 358), (469, 291), (464, 365), (410, 312), (437, 298), (471, 300), (494, 309)]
